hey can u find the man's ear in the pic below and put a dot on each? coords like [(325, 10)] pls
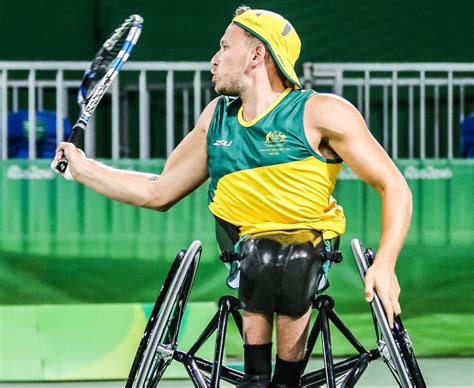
[(259, 54)]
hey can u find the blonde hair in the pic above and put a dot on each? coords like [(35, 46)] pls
[(241, 9)]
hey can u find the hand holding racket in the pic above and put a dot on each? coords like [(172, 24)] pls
[(98, 78)]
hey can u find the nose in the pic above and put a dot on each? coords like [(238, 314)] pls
[(215, 60)]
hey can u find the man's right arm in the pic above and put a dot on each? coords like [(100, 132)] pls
[(184, 171)]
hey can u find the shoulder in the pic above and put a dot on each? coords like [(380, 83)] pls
[(206, 116), (329, 104), (220, 102), (330, 113)]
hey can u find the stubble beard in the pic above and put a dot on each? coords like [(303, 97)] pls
[(229, 87), (232, 83)]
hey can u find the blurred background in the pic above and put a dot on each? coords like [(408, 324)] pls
[(79, 273)]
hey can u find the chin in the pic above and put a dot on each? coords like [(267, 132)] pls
[(225, 91)]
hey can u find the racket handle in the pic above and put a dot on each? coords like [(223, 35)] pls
[(76, 136)]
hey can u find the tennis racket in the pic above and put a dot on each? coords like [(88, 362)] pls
[(100, 75)]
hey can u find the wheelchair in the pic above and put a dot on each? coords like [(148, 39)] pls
[(159, 347)]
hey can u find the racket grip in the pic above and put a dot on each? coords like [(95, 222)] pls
[(62, 165), (76, 136)]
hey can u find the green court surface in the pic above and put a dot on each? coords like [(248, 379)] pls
[(438, 372)]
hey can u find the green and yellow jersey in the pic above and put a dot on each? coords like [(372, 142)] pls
[(265, 177)]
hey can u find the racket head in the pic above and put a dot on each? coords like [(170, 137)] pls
[(109, 59), (100, 75)]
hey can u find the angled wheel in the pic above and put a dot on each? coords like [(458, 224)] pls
[(159, 340), (394, 345)]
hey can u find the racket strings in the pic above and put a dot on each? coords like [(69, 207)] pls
[(108, 53)]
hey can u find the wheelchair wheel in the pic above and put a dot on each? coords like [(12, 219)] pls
[(394, 345), (159, 340)]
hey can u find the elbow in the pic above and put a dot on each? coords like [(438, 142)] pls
[(400, 190), (158, 203), (162, 207), (158, 197)]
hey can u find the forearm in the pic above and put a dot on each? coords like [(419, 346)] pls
[(134, 188), (396, 215)]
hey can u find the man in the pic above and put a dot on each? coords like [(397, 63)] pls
[(273, 154)]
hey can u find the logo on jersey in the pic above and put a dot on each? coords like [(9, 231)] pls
[(223, 143), (275, 137), (275, 143)]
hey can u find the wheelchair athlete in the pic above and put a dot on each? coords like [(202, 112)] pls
[(272, 152)]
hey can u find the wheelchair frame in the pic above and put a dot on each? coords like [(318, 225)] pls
[(158, 346)]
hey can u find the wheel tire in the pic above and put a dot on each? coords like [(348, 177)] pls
[(408, 353), (159, 340), (403, 364)]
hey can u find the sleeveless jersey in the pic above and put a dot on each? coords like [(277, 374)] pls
[(265, 176)]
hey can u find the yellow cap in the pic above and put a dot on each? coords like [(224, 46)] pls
[(278, 34)]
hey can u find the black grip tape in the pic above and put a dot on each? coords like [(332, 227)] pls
[(76, 135)]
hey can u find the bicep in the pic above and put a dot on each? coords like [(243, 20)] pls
[(186, 167)]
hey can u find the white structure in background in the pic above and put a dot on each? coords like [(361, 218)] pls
[(454, 80)]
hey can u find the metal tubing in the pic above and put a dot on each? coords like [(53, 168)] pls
[(206, 333), (359, 98), (144, 117), (194, 372), (185, 112), (339, 86), (367, 98), (411, 123), (197, 95), (40, 99), (31, 115), (15, 99), (450, 115), (461, 103), (4, 116), (318, 377), (169, 113), (65, 99), (341, 326), (385, 118), (355, 374), (228, 374), (205, 66), (394, 115), (116, 119), (436, 121), (59, 106), (125, 119), (327, 349), (224, 306), (422, 116)]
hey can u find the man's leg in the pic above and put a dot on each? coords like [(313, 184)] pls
[(257, 330), (291, 345)]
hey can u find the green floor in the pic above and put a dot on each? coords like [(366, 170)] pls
[(438, 372)]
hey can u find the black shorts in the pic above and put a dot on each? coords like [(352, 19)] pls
[(279, 277)]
